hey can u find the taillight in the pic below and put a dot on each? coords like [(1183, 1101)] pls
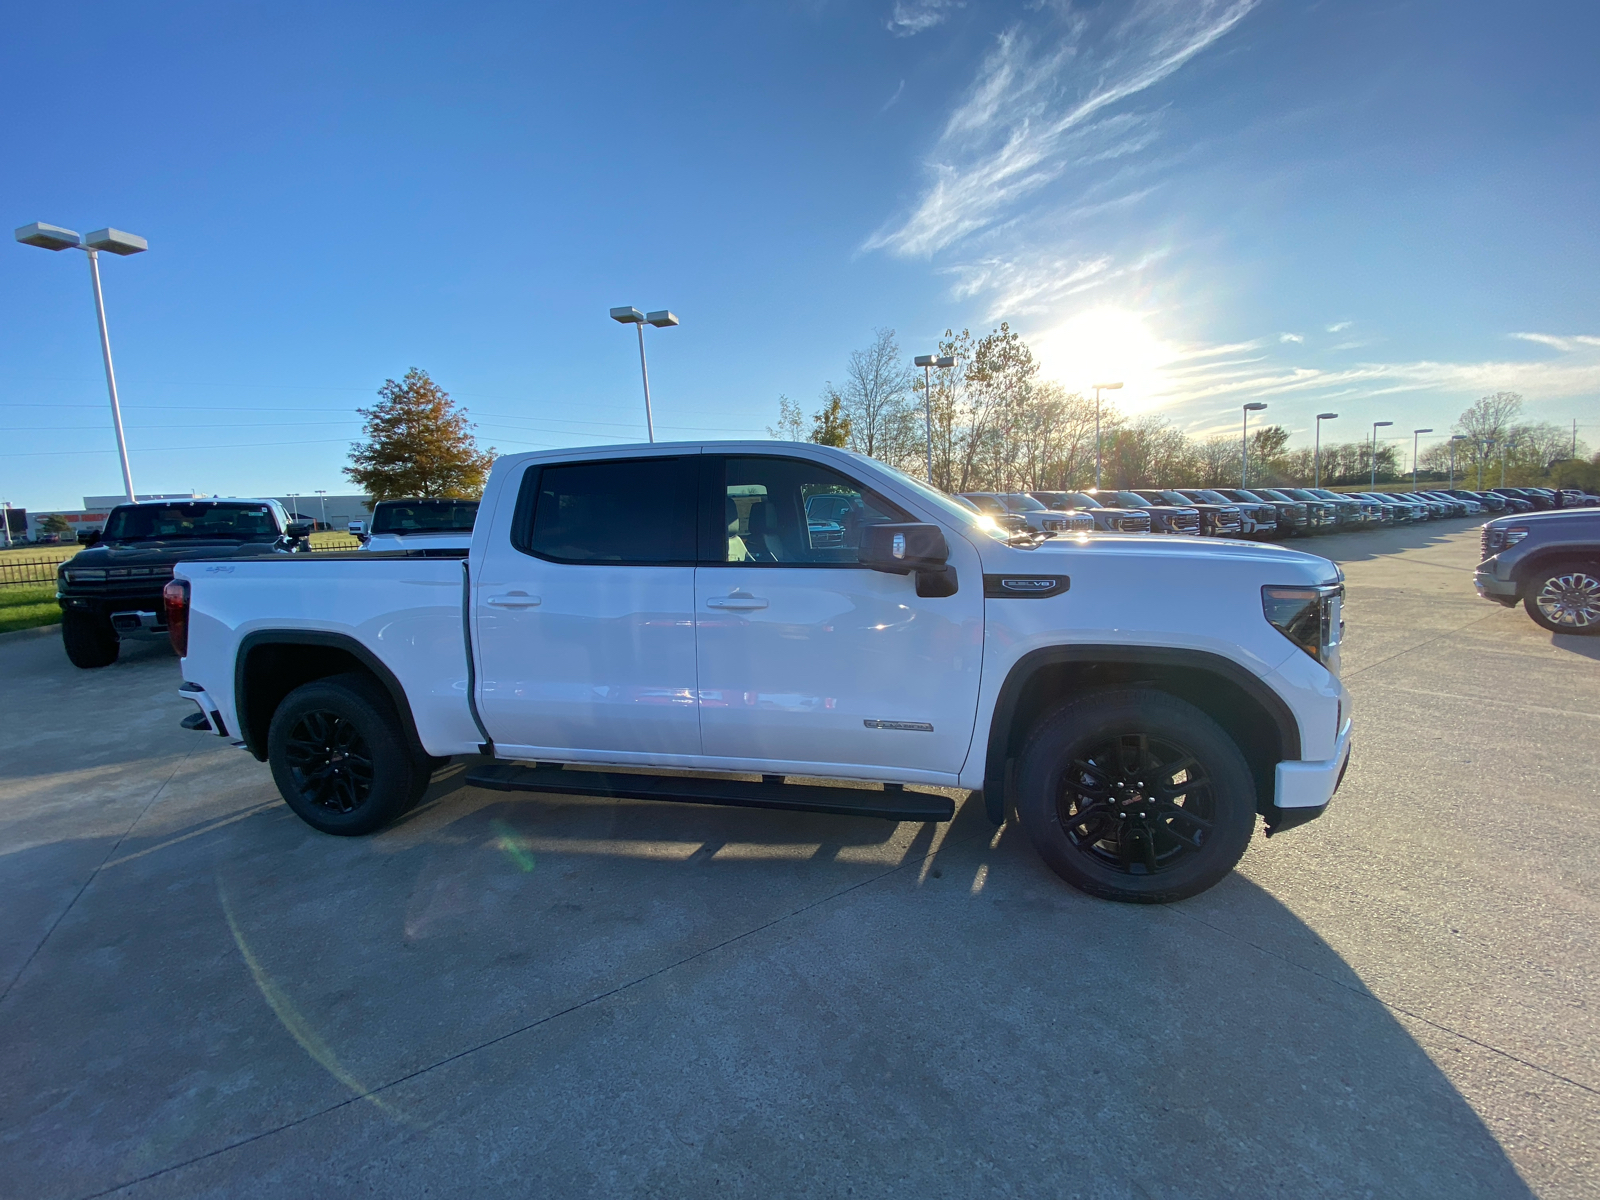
[(175, 599)]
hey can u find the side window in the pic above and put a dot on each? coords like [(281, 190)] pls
[(638, 511), (786, 510)]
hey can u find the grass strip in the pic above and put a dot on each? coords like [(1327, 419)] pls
[(27, 606)]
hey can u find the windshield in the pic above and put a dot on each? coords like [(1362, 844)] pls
[(1079, 500), (1018, 502), (424, 516), (957, 508), (985, 504), (174, 522), (1130, 500), (1247, 496), (1301, 494), (1212, 497)]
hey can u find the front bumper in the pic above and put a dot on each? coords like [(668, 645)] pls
[(1491, 587), (1304, 789)]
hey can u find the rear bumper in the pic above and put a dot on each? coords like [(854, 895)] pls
[(208, 709), (1304, 789)]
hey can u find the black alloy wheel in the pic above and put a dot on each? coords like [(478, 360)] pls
[(1135, 795), (330, 761), (1566, 599), (341, 757), (1135, 804)]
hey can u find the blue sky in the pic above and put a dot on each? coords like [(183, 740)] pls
[(1385, 209)]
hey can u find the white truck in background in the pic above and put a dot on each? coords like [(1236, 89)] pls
[(1134, 702)]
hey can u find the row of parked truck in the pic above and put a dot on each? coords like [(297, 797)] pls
[(1257, 513)]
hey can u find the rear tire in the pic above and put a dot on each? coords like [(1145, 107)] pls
[(89, 640), (340, 758), (1565, 598), (1135, 795)]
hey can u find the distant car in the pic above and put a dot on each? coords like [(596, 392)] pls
[(1216, 520), (1107, 519), (1491, 501), (1257, 518), (1293, 519), (1321, 516), (424, 524), (47, 539), (1165, 517), (994, 506)]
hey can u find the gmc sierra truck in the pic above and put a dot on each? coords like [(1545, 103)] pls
[(665, 608), (1550, 561)]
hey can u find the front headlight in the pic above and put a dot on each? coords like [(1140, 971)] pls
[(1310, 617)]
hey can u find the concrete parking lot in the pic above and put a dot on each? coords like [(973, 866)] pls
[(554, 996)]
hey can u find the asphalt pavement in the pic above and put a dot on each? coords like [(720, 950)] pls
[(544, 995)]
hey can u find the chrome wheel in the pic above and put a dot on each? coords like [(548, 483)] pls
[(1570, 600)]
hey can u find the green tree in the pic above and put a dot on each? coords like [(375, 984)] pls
[(418, 443), (54, 523), (831, 425)]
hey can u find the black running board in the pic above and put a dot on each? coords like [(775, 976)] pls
[(893, 803)]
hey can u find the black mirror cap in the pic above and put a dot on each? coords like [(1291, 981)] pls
[(300, 529), (88, 537), (903, 548)]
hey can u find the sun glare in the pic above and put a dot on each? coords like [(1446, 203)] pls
[(1104, 345)]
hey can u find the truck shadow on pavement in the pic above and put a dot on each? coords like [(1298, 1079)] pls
[(1587, 645), (633, 998), (1366, 545)]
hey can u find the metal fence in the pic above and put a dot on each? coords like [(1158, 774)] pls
[(29, 570)]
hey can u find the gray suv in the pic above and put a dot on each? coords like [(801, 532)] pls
[(1551, 562)]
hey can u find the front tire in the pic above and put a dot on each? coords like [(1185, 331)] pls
[(1135, 795), (339, 756), (1565, 598), (89, 640)]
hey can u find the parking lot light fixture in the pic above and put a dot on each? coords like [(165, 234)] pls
[(1316, 456), (1244, 444), (1376, 425), (1459, 437), (927, 362), (661, 319), (1415, 433), (1098, 387), (113, 241)]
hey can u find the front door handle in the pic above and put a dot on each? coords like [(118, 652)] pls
[(513, 600), (739, 602)]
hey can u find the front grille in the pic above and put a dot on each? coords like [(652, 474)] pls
[(1490, 543), (1132, 523), (1053, 524), (1186, 522)]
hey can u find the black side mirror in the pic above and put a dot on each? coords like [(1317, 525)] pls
[(88, 537), (299, 530), (901, 549)]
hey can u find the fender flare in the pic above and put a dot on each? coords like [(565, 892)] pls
[(995, 781), (326, 640)]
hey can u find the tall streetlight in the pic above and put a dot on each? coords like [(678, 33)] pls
[(1376, 425), (322, 499), (1109, 387), (661, 319), (1317, 456), (927, 362), (1244, 443), (1415, 433), (115, 241), (1459, 437)]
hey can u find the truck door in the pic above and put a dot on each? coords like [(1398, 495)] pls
[(584, 614), (807, 657)]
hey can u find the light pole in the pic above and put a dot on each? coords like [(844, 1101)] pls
[(1415, 433), (661, 319), (1459, 437), (1244, 444), (1483, 452), (322, 499), (1376, 425), (53, 237), (1110, 387), (927, 362), (1317, 455)]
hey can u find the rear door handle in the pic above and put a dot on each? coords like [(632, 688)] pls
[(741, 602), (513, 600)]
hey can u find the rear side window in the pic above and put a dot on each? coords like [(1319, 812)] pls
[(424, 516), (636, 511)]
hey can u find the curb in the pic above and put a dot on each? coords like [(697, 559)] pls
[(22, 635)]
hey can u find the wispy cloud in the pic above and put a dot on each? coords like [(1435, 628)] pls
[(1043, 103), (1291, 337), (1340, 326), (1564, 344), (894, 99), (911, 17)]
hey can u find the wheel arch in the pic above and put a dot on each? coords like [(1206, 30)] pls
[(271, 663), (1256, 717), (1548, 556)]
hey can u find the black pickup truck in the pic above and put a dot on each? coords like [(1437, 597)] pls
[(112, 588), (1550, 561)]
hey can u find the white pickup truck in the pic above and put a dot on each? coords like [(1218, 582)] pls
[(1132, 702)]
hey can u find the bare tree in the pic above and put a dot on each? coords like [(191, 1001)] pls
[(877, 398)]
